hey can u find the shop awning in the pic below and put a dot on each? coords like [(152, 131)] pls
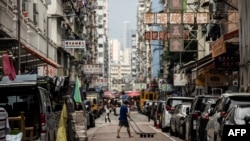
[(231, 35), (194, 64), (203, 65), (40, 56)]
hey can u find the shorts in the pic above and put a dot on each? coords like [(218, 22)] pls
[(123, 123)]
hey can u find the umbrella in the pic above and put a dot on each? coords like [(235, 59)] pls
[(133, 93)]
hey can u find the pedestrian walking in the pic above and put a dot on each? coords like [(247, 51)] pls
[(123, 119), (148, 108), (107, 110)]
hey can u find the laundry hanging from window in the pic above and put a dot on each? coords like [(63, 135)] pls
[(8, 67)]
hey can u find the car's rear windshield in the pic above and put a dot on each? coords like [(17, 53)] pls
[(202, 101), (173, 102), (242, 112), (15, 100), (235, 100)]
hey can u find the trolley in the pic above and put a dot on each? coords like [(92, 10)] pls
[(138, 131)]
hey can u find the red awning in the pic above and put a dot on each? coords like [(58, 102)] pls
[(133, 93), (40, 56), (108, 94), (231, 35)]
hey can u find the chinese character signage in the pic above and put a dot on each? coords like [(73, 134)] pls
[(118, 81), (176, 45), (100, 82), (75, 44), (149, 18), (92, 69), (202, 18), (156, 35), (176, 31), (175, 5), (188, 18), (161, 18), (175, 18), (163, 35)]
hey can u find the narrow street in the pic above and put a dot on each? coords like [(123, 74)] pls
[(104, 131)]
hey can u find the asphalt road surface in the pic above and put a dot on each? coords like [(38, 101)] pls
[(108, 131)]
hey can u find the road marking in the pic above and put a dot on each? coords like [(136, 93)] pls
[(165, 134)]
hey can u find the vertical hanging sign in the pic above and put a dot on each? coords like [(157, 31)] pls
[(175, 5), (176, 45)]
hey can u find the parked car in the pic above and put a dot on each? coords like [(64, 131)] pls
[(28, 95), (222, 107), (238, 115), (168, 109), (193, 113), (203, 120), (157, 116), (177, 120)]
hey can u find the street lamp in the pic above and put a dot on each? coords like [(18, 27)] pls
[(47, 36)]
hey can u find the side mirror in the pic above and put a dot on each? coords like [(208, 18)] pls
[(247, 119), (187, 111)]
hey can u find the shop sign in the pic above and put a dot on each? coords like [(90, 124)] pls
[(218, 47), (175, 18), (188, 18), (47, 70), (180, 79), (176, 45), (92, 69), (175, 5), (100, 82), (202, 18), (215, 80), (118, 81), (161, 18), (176, 31), (75, 44), (156, 35), (148, 18)]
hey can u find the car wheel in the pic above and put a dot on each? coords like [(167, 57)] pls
[(170, 129), (205, 136), (181, 132)]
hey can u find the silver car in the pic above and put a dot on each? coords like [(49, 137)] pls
[(222, 107), (177, 120)]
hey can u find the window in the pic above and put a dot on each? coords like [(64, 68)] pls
[(35, 14), (100, 54), (100, 45)]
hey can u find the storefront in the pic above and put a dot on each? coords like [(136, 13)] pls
[(217, 70)]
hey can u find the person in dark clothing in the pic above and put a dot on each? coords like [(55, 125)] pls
[(148, 108), (123, 119)]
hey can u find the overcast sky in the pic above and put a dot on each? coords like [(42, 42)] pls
[(119, 11)]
